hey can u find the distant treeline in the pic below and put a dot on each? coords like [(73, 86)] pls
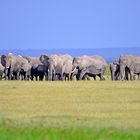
[(110, 54)]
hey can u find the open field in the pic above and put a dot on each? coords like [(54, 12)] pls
[(70, 110)]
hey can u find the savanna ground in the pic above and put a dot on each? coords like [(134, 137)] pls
[(72, 110)]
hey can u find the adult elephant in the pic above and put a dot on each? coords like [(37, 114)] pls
[(58, 65), (132, 63), (82, 62), (14, 65), (37, 68)]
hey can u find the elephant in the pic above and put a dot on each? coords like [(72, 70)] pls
[(1, 70), (92, 71), (67, 66), (14, 65), (136, 69), (82, 62), (25, 71), (42, 71), (37, 68), (77, 72), (115, 71), (58, 65), (130, 62)]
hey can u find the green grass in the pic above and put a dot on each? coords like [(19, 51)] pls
[(66, 134), (100, 110)]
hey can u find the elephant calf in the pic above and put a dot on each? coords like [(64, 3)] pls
[(115, 70), (92, 71)]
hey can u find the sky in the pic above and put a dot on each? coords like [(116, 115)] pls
[(65, 24)]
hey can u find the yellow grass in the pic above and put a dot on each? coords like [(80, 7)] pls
[(98, 104)]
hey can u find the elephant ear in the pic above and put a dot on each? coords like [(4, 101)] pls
[(44, 58), (3, 60)]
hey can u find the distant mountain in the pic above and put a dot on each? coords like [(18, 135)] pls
[(109, 54)]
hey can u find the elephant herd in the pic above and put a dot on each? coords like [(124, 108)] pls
[(65, 67), (125, 66)]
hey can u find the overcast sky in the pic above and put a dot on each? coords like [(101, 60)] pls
[(59, 24)]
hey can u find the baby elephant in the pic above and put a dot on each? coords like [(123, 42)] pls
[(92, 71)]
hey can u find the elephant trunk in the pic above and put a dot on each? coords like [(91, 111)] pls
[(73, 69), (50, 73)]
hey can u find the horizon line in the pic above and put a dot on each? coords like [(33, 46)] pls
[(66, 48)]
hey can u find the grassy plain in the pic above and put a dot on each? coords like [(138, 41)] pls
[(75, 110)]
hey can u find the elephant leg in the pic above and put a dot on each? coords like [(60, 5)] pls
[(123, 76), (101, 73), (26, 76), (0, 77), (82, 74), (18, 75), (66, 77), (41, 76), (72, 76), (94, 77), (36, 77), (6, 74), (77, 77), (62, 75), (122, 72), (46, 76), (131, 75), (32, 74), (10, 75), (101, 77), (32, 77), (112, 76), (53, 76), (134, 77), (87, 77), (22, 76), (13, 77), (138, 76), (50, 75), (126, 76), (29, 75), (69, 76)]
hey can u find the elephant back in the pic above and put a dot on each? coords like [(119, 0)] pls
[(34, 61), (85, 61), (129, 60)]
